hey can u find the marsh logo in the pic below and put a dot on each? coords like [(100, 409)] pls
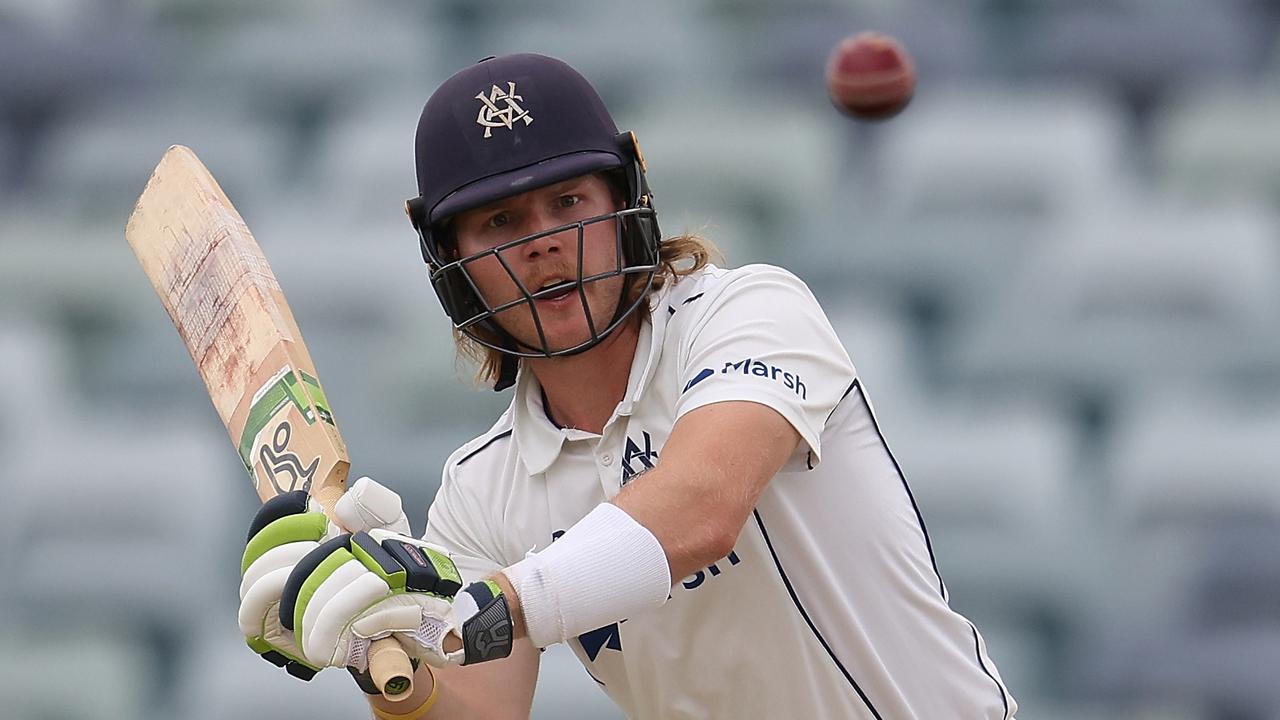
[(755, 368)]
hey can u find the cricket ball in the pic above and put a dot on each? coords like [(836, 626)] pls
[(870, 76)]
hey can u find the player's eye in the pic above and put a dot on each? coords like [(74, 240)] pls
[(498, 220), (566, 201)]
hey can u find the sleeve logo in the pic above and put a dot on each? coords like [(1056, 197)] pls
[(755, 368)]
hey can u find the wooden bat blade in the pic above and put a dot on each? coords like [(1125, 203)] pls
[(229, 310), (233, 318)]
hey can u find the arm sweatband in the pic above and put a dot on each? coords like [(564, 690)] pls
[(605, 568)]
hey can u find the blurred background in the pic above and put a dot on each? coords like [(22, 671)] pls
[(1058, 272)]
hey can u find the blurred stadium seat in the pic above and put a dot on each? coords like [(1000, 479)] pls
[(1217, 143), (77, 670), (1195, 458), (993, 483), (1184, 463), (681, 51), (985, 474), (8, 156), (224, 679), (363, 164), (762, 162), (963, 186), (82, 283), (220, 13), (879, 339), (308, 58), (1022, 151), (1193, 513), (34, 401), (98, 159), (144, 514), (1223, 668), (52, 16), (1119, 299), (1178, 44)]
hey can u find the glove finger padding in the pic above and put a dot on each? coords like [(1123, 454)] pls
[(354, 589), (283, 532)]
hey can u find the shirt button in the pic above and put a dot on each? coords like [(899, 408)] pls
[(607, 459)]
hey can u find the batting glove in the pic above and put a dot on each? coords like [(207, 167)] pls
[(349, 590), (284, 530), (354, 589)]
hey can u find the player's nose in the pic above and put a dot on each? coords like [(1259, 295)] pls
[(547, 242)]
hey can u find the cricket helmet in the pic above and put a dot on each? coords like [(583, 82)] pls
[(505, 126)]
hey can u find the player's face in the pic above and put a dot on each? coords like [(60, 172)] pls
[(547, 260)]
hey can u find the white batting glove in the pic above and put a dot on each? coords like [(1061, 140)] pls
[(355, 589), (284, 531), (368, 505)]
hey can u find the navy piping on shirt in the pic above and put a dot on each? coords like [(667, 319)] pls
[(475, 452)]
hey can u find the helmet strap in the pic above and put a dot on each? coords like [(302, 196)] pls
[(506, 372)]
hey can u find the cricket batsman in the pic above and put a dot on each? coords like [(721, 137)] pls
[(689, 487)]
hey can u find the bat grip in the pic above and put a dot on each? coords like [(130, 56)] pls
[(390, 669), (327, 496)]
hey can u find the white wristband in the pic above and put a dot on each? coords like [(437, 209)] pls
[(605, 568)]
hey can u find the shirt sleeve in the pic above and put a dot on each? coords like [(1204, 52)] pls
[(455, 523), (761, 336)]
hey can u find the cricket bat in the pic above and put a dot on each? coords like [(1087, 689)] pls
[(226, 304)]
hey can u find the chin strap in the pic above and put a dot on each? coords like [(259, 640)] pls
[(507, 373)]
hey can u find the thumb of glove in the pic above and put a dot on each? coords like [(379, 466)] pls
[(368, 505)]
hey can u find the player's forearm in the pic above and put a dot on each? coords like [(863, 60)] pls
[(518, 629), (457, 698), (697, 498), (621, 558), (695, 527), (446, 704)]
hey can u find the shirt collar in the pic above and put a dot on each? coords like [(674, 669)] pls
[(539, 440)]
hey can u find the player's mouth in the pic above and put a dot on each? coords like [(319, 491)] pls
[(555, 293)]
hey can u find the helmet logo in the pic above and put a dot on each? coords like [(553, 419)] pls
[(494, 116)]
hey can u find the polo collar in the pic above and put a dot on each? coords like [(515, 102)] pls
[(539, 440)]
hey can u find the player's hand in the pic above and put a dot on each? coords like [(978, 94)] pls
[(355, 589), (313, 597), (283, 531)]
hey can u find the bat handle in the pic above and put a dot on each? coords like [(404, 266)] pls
[(390, 669)]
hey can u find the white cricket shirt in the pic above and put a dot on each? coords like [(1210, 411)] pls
[(829, 606)]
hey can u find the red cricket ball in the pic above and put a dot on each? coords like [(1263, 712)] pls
[(870, 76)]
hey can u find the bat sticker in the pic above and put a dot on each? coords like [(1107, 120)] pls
[(278, 461), (286, 388)]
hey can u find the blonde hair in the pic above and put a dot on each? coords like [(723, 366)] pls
[(678, 257)]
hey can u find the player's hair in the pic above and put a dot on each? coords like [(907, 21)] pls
[(678, 257)]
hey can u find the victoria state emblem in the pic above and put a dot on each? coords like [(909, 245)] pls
[(501, 108)]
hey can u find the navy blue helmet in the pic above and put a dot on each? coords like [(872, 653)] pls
[(502, 127)]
